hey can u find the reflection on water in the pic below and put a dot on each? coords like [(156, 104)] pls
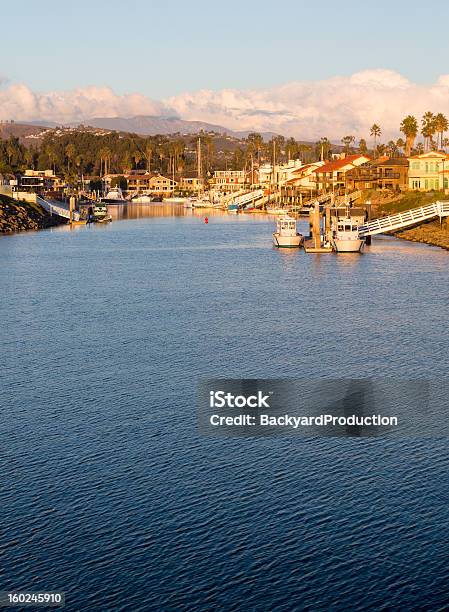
[(159, 209)]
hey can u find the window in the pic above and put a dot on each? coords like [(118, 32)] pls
[(415, 165)]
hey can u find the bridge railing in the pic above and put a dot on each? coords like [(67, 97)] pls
[(405, 219)]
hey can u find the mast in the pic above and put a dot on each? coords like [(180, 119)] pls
[(198, 163)]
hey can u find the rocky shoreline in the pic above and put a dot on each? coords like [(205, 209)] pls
[(19, 216), (433, 233)]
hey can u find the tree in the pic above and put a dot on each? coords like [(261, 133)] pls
[(348, 141), (441, 125), (363, 149), (70, 153), (409, 127), (400, 144), (375, 132), (392, 148), (291, 148), (255, 140), (427, 128), (323, 148)]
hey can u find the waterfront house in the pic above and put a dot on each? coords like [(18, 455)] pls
[(426, 170), (39, 180), (191, 182), (381, 173), (228, 181), (149, 182), (331, 175)]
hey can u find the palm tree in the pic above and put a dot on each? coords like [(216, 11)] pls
[(427, 128), (148, 152), (441, 125), (375, 132), (70, 153), (409, 127)]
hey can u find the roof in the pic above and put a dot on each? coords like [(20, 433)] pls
[(340, 163), (392, 161), (438, 154)]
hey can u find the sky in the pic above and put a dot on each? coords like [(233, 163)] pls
[(305, 67)]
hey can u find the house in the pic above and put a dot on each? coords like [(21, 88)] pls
[(191, 182), (149, 182), (426, 170), (305, 176), (381, 173), (331, 176), (282, 172), (227, 181), (39, 180)]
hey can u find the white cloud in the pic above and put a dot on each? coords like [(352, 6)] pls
[(305, 109), (309, 109), (19, 102)]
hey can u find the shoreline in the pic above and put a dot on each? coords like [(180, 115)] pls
[(20, 216)]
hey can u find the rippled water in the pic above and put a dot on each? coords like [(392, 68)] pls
[(108, 491)]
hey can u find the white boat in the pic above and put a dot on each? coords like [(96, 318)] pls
[(271, 210), (145, 198), (174, 200), (114, 196), (345, 237), (286, 234), (201, 202)]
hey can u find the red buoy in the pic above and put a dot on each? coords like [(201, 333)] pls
[(206, 220)]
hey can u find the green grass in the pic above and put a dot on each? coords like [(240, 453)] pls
[(411, 199)]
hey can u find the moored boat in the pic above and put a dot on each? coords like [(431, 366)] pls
[(286, 234), (345, 236), (114, 196)]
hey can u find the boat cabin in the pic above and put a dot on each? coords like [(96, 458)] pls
[(286, 226)]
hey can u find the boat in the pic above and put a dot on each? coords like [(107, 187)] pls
[(233, 207), (345, 236), (114, 196), (286, 234), (271, 210), (201, 202), (174, 200), (100, 213), (145, 198)]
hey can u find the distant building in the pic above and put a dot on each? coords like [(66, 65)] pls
[(282, 172), (228, 181), (305, 176), (426, 171), (149, 182), (39, 180), (191, 183), (331, 176)]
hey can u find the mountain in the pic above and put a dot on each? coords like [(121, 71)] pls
[(149, 126)]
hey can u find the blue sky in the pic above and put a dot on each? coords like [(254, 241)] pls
[(165, 48)]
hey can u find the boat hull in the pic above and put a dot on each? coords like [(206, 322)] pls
[(353, 245), (287, 242)]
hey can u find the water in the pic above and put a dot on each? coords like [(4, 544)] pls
[(109, 493)]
